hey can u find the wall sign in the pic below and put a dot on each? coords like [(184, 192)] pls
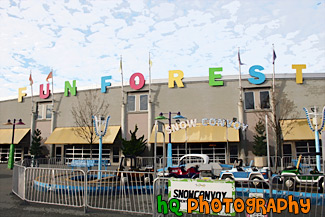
[(175, 77), (205, 122)]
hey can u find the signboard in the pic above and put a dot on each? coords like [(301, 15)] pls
[(256, 195), (204, 194)]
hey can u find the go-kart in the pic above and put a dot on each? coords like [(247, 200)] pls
[(293, 176), (258, 177), (193, 166)]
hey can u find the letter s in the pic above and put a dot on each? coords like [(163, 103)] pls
[(254, 73)]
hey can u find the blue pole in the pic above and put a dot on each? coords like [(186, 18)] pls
[(100, 157), (169, 155), (317, 150)]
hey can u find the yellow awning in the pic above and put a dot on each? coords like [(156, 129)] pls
[(68, 135), (6, 135), (199, 134), (296, 130)]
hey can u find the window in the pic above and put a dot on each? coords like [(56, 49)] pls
[(44, 111), (137, 102), (116, 154), (265, 99), (249, 100), (131, 103), (143, 102)]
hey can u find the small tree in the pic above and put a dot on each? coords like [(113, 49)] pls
[(35, 149), (133, 147), (259, 139)]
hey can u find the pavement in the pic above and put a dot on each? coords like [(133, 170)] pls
[(12, 206)]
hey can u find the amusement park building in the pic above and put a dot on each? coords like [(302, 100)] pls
[(199, 102)]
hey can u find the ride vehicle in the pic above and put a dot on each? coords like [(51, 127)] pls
[(134, 172), (293, 176), (257, 177), (193, 166)]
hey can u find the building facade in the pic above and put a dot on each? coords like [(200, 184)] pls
[(222, 125)]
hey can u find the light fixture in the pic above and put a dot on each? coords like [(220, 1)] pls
[(8, 123), (179, 116), (20, 122), (161, 117)]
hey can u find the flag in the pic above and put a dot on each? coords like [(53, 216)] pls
[(150, 62), (239, 59), (30, 79), (121, 64), (49, 76), (274, 56)]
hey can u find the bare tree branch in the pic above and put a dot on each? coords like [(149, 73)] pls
[(91, 105)]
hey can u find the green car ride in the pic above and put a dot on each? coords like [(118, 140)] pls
[(293, 176)]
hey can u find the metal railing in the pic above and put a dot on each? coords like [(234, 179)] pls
[(276, 189), (55, 186), (136, 191), (126, 191)]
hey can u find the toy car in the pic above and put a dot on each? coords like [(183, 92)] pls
[(240, 173), (292, 176), (194, 166)]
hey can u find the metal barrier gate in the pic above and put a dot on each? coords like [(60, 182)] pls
[(120, 191), (137, 192), (278, 188)]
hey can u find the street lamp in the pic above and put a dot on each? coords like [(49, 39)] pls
[(98, 124), (316, 130), (169, 147), (12, 147)]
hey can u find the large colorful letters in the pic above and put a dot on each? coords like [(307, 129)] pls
[(174, 77)]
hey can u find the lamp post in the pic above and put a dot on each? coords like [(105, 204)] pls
[(169, 146), (316, 130), (98, 124), (12, 147)]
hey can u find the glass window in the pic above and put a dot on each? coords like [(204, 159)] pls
[(40, 111), (143, 102), (48, 111), (131, 103), (265, 99), (116, 154), (249, 100)]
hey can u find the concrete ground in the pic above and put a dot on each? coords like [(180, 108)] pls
[(12, 206)]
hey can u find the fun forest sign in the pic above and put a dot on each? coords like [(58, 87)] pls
[(175, 77)]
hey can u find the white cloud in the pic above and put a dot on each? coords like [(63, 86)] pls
[(84, 41)]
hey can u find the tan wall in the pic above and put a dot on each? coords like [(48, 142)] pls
[(196, 100)]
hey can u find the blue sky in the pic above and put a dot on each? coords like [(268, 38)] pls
[(83, 40)]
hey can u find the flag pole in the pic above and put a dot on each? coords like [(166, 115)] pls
[(241, 109), (32, 116), (240, 83), (31, 87), (52, 90), (273, 76), (123, 101), (274, 109), (149, 104)]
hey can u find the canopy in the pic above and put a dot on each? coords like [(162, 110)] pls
[(199, 134), (68, 135), (296, 130), (6, 135)]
